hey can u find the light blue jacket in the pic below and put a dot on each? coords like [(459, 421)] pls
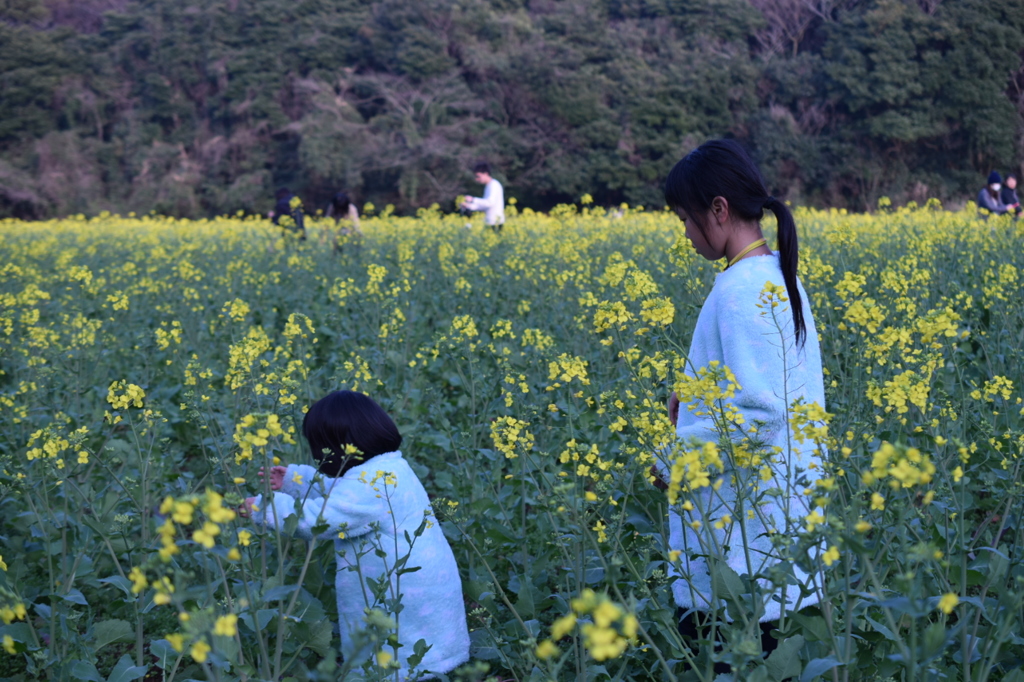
[(732, 330), (372, 507)]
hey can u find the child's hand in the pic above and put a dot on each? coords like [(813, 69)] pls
[(276, 477), (673, 408), (245, 509)]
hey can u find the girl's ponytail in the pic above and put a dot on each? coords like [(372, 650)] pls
[(789, 259)]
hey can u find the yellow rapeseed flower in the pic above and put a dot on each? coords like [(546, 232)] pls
[(546, 650), (176, 640), (138, 578), (206, 536), (563, 626), (226, 625), (199, 651)]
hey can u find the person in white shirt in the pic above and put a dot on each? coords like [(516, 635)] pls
[(364, 496), (493, 200)]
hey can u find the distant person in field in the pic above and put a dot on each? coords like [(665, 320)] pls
[(1008, 195), (988, 197), (346, 219), (493, 200), (362, 495), (345, 213), (290, 206), (773, 353)]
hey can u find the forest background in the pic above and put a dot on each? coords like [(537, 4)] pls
[(203, 107)]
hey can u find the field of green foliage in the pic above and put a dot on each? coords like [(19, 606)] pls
[(149, 367)]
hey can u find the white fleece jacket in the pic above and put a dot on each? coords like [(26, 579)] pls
[(732, 330), (492, 203), (360, 508)]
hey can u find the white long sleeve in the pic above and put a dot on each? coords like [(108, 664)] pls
[(733, 330), (492, 203), (369, 513)]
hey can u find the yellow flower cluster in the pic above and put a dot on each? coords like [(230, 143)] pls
[(122, 395), (708, 391), (996, 388), (611, 315), (566, 367), (587, 461), (693, 469), (246, 357), (907, 467), (809, 422), (510, 435), (12, 610), (611, 629), (250, 436), (659, 312), (464, 327), (223, 626), (904, 389), (182, 512)]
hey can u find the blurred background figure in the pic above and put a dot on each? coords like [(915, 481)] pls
[(289, 210), (493, 200), (988, 197), (345, 214), (1008, 195), (346, 220)]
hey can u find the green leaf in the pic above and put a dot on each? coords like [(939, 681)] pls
[(124, 584), (784, 662), (524, 604), (109, 631), (19, 632), (934, 640), (84, 670), (880, 628), (278, 593), (320, 638), (125, 670), (227, 647), (817, 667), (75, 596), (164, 652), (420, 649), (263, 618), (814, 628)]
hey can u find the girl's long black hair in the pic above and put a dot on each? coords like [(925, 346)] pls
[(721, 168), (344, 418)]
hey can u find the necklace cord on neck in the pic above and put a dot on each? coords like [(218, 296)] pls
[(744, 252)]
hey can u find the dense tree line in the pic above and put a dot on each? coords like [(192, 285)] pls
[(196, 107)]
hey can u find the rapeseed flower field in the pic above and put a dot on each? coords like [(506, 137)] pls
[(149, 367)]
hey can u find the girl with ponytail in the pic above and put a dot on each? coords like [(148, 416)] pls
[(718, 193)]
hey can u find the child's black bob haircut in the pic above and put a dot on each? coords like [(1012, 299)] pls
[(721, 168), (482, 167), (348, 418)]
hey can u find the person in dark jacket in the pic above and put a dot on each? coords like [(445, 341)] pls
[(988, 197), (1008, 195), (289, 205)]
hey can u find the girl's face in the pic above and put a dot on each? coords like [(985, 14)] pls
[(713, 246)]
